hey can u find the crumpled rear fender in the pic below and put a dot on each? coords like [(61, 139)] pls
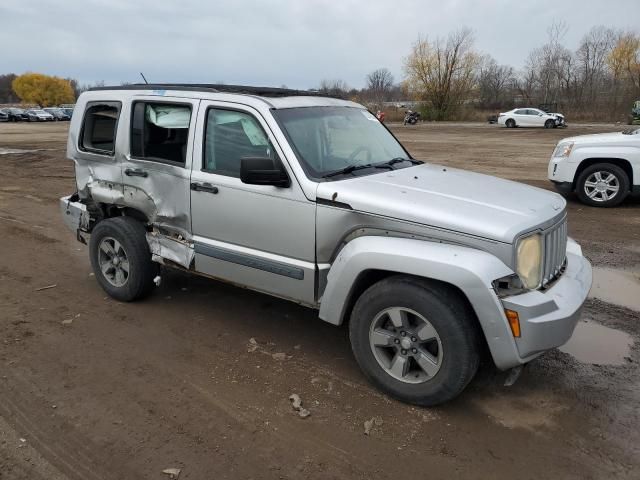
[(472, 271)]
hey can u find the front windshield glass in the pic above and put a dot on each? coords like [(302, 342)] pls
[(328, 140), (632, 131)]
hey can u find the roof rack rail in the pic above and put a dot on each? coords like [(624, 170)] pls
[(213, 87)]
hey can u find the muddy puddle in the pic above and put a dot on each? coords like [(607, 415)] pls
[(596, 344), (619, 287)]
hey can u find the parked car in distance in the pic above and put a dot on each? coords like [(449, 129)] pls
[(313, 200), (38, 115), (68, 111), (4, 116), (57, 113), (602, 169), (530, 117), (16, 114)]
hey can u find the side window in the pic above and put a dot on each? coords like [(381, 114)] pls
[(521, 112), (159, 132), (229, 137), (99, 127)]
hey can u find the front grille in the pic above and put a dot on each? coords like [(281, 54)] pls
[(555, 252)]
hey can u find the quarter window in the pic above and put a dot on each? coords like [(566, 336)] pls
[(229, 137), (99, 127), (159, 132)]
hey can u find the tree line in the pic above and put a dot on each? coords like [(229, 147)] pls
[(598, 80)]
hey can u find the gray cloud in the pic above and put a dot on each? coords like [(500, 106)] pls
[(275, 42)]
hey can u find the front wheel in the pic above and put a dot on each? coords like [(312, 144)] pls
[(549, 124), (602, 185), (510, 123), (121, 259), (416, 340)]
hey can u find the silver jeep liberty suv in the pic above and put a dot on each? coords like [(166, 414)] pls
[(312, 199)]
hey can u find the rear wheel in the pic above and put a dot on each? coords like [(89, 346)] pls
[(416, 340), (602, 185), (510, 123), (121, 259)]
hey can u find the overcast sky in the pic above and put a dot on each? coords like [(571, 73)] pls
[(276, 42)]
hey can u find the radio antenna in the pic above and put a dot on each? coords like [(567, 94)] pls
[(145, 80)]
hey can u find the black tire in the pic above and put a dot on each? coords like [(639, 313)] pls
[(549, 124), (510, 123), (451, 317), (130, 234), (622, 180)]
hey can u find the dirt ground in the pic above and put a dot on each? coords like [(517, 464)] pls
[(95, 389)]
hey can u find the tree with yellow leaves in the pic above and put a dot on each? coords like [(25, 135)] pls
[(442, 72), (43, 90), (624, 59)]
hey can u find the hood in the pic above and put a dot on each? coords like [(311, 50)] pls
[(601, 138), (449, 198)]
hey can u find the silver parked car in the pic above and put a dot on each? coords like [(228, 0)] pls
[(38, 115), (312, 199)]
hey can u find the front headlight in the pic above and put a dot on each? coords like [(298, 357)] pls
[(563, 150), (529, 260)]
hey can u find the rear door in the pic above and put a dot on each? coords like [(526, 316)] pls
[(258, 236), (521, 117), (156, 171)]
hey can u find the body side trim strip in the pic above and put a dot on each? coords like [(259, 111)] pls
[(248, 260)]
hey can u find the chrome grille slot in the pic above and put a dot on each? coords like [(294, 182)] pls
[(555, 247)]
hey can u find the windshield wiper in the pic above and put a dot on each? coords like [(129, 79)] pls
[(353, 168), (401, 159)]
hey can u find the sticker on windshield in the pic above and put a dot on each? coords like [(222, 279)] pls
[(369, 116)]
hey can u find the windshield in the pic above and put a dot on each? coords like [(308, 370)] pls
[(327, 140), (632, 132)]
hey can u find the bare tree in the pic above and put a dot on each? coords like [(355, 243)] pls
[(591, 57), (495, 82), (7, 95), (335, 88), (442, 72), (379, 84), (550, 72)]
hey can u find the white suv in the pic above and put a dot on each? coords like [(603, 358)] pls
[(601, 169)]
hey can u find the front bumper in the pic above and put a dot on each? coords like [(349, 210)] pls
[(547, 318), (563, 187)]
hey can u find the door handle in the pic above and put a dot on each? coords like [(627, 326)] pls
[(204, 187), (135, 172)]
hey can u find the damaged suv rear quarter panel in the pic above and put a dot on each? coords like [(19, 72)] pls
[(98, 175), (162, 197)]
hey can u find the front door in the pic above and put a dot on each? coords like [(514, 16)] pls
[(258, 236)]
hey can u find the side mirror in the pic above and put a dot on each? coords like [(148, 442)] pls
[(262, 171)]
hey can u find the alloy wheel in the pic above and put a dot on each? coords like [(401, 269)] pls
[(113, 261), (406, 345), (601, 186)]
